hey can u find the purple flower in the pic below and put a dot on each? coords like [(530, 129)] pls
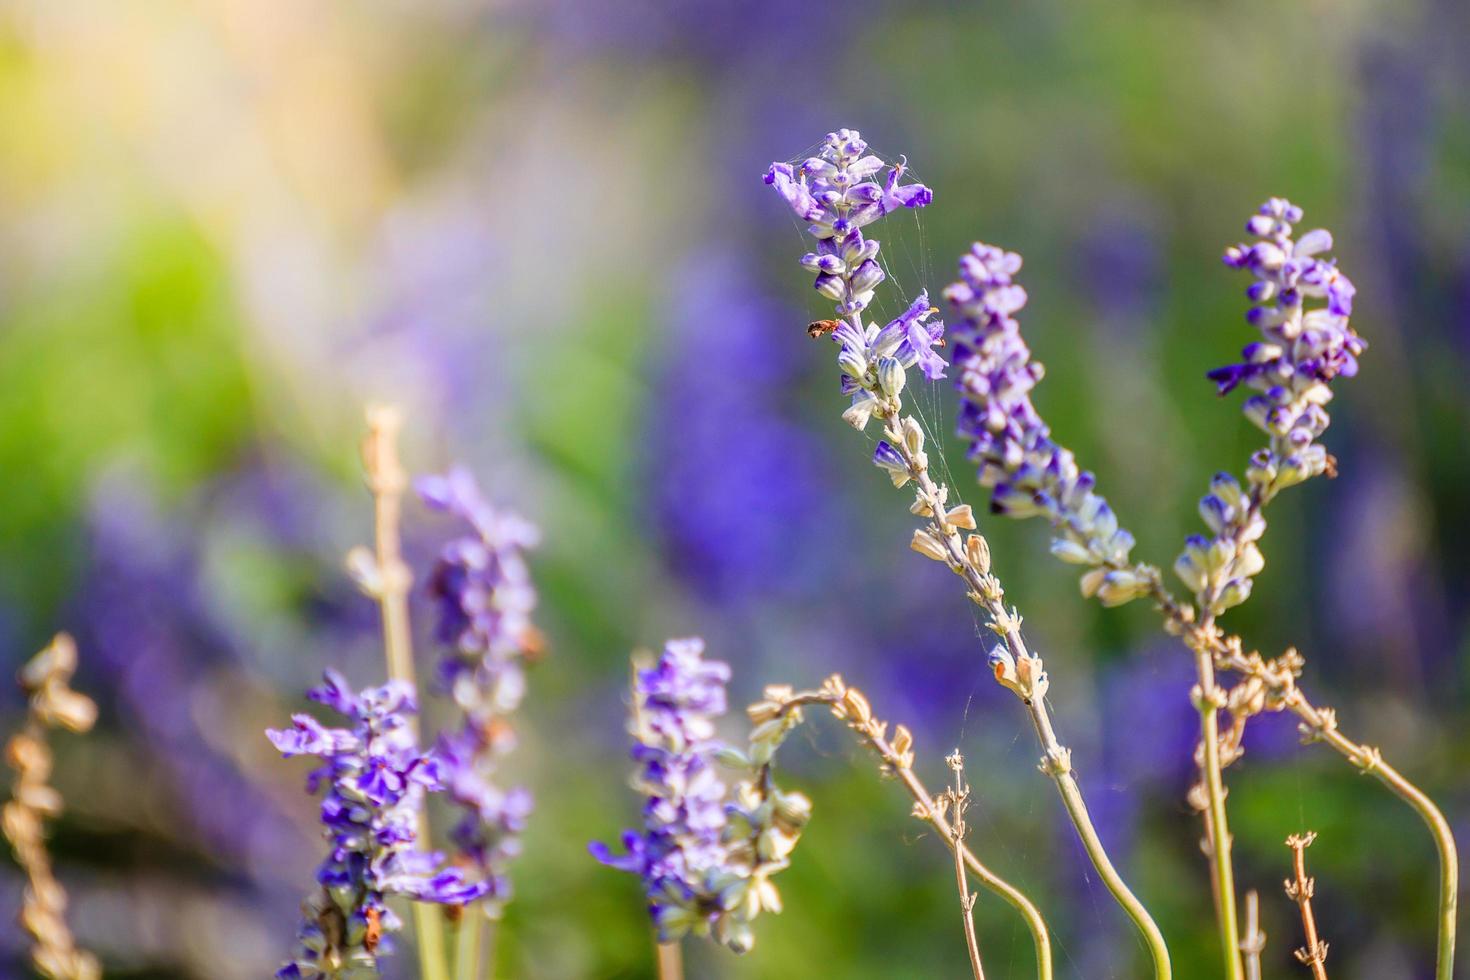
[(483, 589), (837, 194), (1305, 346), (376, 777), (690, 874), (1030, 475)]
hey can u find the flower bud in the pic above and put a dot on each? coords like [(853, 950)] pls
[(890, 376)]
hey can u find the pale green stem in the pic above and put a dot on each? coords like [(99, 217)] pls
[(1217, 831), (387, 481), (1321, 723), (1324, 725), (1057, 763), (1254, 941), (467, 946)]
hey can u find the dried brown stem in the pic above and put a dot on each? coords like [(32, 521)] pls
[(959, 800), (1299, 889), (897, 758), (387, 578), (53, 704)]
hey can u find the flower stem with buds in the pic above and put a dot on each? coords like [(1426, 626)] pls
[(1022, 671)]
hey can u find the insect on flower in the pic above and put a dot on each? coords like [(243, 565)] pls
[(818, 328), (374, 932)]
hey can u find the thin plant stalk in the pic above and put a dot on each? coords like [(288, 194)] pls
[(387, 481), (467, 946), (959, 798), (1209, 699), (928, 809), (1056, 761), (1299, 889), (670, 960), (1253, 943)]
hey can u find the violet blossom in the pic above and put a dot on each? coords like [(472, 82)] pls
[(376, 777), (838, 194), (1029, 473), (1304, 347), (485, 598), (705, 855)]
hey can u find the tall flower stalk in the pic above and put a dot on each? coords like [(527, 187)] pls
[(386, 577), (53, 704), (1301, 305), (837, 193)]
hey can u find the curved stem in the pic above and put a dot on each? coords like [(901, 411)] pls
[(1056, 759), (1057, 764), (1278, 678), (929, 811), (1371, 761)]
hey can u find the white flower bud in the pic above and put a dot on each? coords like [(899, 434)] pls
[(890, 376)]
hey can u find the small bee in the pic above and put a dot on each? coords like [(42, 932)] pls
[(374, 933), (817, 328)]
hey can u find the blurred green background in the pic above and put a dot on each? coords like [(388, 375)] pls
[(539, 227)]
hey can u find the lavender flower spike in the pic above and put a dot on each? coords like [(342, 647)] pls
[(485, 598), (1304, 347), (376, 778), (836, 191), (1030, 474), (704, 861)]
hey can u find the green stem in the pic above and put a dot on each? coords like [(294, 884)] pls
[(929, 811), (1222, 869), (1040, 936), (1057, 764), (1371, 761), (1321, 724), (467, 946)]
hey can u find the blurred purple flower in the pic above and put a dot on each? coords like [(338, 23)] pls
[(735, 485), (376, 777), (687, 869), (485, 597)]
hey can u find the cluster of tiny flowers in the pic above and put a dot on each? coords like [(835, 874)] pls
[(376, 777), (1030, 475), (485, 598), (837, 194), (700, 858), (1303, 348)]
